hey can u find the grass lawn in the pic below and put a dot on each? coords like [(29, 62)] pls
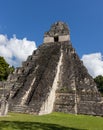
[(54, 121)]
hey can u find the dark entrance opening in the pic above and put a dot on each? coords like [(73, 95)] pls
[(56, 39)]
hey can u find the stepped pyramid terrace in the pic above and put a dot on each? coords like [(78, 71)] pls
[(54, 79)]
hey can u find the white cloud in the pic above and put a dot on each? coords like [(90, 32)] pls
[(15, 50), (94, 63)]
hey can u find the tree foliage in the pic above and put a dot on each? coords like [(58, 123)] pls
[(99, 82), (5, 69)]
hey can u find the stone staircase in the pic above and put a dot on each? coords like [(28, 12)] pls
[(19, 108)]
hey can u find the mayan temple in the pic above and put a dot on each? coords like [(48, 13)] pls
[(53, 78)]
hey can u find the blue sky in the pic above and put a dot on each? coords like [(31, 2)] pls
[(31, 18)]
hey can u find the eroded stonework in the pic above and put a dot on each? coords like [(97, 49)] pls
[(58, 32), (54, 79)]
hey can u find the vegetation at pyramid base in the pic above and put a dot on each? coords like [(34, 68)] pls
[(5, 69), (99, 82), (54, 121)]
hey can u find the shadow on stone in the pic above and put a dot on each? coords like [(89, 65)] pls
[(15, 125)]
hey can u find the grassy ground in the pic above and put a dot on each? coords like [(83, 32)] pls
[(54, 121)]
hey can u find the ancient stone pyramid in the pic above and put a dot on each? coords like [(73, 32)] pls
[(54, 79)]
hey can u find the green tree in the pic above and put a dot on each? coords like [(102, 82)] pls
[(11, 69), (99, 81), (5, 69)]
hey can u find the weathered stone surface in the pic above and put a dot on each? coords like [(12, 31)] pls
[(4, 93), (54, 79), (58, 32), (4, 88), (58, 29)]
